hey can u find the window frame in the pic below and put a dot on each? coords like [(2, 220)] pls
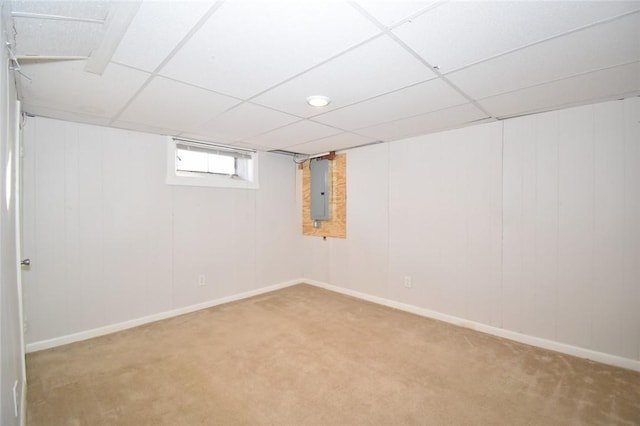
[(246, 177)]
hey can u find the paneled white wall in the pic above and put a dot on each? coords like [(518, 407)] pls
[(428, 208), (529, 225), (360, 262), (571, 231), (444, 221), (111, 242)]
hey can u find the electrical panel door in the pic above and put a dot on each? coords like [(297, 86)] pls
[(320, 189)]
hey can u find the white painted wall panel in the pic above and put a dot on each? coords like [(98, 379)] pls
[(513, 223), (210, 253), (543, 262), (484, 224), (48, 257), (101, 241), (340, 265), (278, 235), (360, 262), (570, 244), (445, 225), (417, 176), (244, 247), (136, 227), (530, 215), (90, 226), (316, 255), (111, 242), (630, 289), (608, 227), (575, 255), (69, 245)]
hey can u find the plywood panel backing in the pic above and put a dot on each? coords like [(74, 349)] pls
[(336, 226)]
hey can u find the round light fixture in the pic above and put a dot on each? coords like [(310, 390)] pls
[(318, 101)]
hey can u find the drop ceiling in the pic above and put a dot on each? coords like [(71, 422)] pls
[(238, 72)]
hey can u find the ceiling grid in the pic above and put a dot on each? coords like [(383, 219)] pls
[(239, 71)]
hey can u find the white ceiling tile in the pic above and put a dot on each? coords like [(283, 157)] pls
[(377, 67), (462, 33), (243, 122), (249, 146), (156, 30), (65, 86), (175, 105), (248, 46), (140, 127), (449, 118), (293, 134), (379, 90), (33, 37), (47, 37), (94, 9), (388, 12), (331, 143), (605, 84), (419, 99), (614, 43)]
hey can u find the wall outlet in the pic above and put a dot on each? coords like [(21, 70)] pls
[(202, 280), (407, 282)]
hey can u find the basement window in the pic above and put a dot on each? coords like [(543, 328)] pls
[(196, 163)]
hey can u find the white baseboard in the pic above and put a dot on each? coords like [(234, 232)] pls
[(576, 351), (500, 332), (23, 403), (108, 329)]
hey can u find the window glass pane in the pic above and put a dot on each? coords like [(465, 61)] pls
[(191, 161), (222, 164), (204, 162)]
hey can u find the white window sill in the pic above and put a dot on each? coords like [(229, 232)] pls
[(176, 178)]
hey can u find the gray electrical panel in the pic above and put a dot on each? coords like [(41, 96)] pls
[(320, 189)]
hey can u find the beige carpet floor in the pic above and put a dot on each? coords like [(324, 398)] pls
[(306, 356)]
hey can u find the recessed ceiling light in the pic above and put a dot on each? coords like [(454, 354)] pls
[(318, 101)]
